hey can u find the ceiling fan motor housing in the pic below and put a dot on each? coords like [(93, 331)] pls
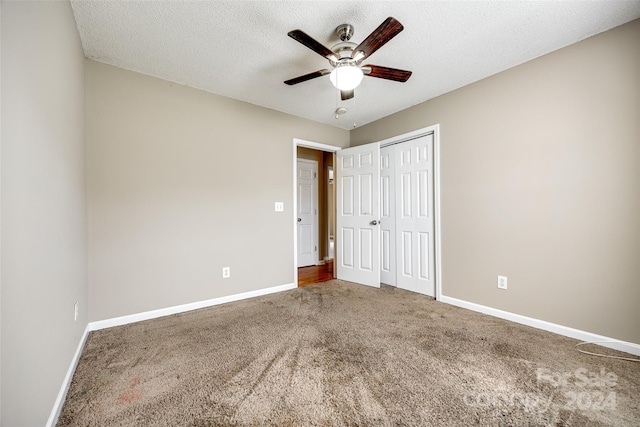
[(343, 50), (345, 32)]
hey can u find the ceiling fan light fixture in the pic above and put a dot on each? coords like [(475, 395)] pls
[(346, 57), (346, 77)]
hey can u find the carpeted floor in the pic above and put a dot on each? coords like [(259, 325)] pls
[(343, 354)]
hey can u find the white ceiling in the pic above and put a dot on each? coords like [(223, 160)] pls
[(241, 50)]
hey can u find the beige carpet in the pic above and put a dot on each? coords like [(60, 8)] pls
[(343, 354)]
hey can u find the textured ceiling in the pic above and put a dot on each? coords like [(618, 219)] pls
[(241, 50)]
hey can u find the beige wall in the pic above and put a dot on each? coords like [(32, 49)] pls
[(540, 181), (43, 235), (182, 183)]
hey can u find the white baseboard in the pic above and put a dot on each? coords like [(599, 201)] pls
[(613, 343), (153, 314), (62, 394)]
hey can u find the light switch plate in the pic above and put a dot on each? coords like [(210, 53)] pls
[(502, 282), (279, 207)]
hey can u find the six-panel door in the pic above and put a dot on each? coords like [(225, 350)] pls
[(358, 178), (415, 257), (307, 212)]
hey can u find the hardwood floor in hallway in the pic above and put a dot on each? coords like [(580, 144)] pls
[(315, 274)]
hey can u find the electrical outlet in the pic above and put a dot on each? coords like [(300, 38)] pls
[(502, 282), (279, 207), (75, 311), (226, 272)]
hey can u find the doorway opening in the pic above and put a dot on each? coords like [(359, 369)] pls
[(315, 210)]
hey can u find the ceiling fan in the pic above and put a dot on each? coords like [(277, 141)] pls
[(346, 57)]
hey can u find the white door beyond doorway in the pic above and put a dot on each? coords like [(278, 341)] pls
[(307, 212)]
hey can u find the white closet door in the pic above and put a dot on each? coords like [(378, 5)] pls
[(414, 216), (387, 216), (358, 236)]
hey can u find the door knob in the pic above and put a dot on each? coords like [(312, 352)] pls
[(299, 219), (375, 222)]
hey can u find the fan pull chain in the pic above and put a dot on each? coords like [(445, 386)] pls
[(354, 108)]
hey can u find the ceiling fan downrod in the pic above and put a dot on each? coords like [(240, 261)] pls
[(345, 32)]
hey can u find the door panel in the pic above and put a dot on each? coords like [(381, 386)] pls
[(347, 195), (385, 256), (365, 190), (414, 221), (405, 193), (406, 255), (305, 246), (423, 256), (358, 259), (307, 212), (366, 249), (347, 247), (423, 194)]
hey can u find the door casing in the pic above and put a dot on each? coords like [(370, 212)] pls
[(315, 146)]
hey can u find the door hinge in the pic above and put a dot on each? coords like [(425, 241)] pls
[(315, 249), (315, 175)]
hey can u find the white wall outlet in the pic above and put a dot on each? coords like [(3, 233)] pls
[(226, 272), (502, 282), (279, 207), (75, 311)]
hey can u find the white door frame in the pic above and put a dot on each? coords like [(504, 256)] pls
[(435, 130), (315, 146)]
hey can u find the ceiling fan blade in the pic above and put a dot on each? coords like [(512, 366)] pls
[(381, 35), (311, 43), (386, 73), (346, 94), (300, 79)]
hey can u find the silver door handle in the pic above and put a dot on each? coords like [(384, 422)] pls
[(375, 222), (299, 219)]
